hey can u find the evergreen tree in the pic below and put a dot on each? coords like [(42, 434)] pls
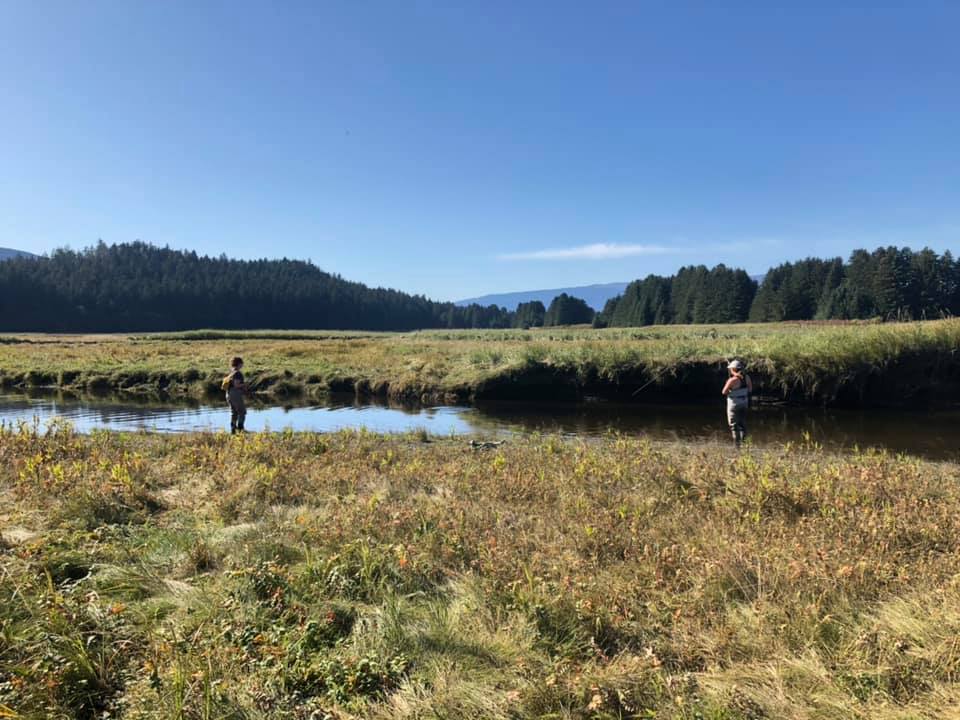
[(529, 314), (603, 318), (644, 302), (833, 279), (568, 310), (796, 291), (950, 269)]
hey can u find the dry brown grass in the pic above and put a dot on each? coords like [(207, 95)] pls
[(366, 576)]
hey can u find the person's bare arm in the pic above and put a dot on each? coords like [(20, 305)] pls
[(726, 387), (749, 384)]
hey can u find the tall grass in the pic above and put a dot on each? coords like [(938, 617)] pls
[(800, 360), (356, 575)]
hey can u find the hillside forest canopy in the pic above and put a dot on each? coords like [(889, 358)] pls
[(137, 287)]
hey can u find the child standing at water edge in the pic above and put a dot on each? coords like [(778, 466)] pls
[(236, 387), (737, 390)]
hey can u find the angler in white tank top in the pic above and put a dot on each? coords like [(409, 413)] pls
[(737, 390)]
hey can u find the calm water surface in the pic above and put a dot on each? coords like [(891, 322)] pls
[(934, 435)]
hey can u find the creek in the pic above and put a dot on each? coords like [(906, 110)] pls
[(933, 435)]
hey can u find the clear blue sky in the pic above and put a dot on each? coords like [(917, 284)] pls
[(457, 149)]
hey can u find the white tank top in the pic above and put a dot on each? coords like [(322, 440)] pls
[(740, 396)]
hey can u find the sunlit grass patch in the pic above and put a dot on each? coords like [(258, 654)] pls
[(801, 361), (357, 575)]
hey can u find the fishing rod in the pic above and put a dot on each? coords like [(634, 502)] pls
[(644, 386)]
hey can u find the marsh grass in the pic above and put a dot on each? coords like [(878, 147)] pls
[(356, 575), (803, 361)]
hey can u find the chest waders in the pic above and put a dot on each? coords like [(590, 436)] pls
[(238, 407), (737, 403)]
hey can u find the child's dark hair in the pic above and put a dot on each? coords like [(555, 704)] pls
[(236, 362)]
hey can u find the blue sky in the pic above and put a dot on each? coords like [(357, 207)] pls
[(457, 149)]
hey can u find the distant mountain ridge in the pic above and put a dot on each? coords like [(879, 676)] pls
[(8, 253), (594, 295)]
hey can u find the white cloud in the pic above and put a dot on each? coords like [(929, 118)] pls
[(595, 251)]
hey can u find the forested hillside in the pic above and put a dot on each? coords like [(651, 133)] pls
[(137, 287), (888, 283)]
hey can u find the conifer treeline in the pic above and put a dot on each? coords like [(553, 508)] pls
[(137, 287), (888, 283), (694, 295)]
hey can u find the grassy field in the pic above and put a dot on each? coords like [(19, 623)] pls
[(855, 363), (355, 575)]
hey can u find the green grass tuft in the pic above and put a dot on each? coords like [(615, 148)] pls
[(357, 575)]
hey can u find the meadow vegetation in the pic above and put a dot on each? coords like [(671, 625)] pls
[(355, 575), (803, 362)]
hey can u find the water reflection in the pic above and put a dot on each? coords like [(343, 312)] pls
[(934, 435), (113, 413), (931, 434)]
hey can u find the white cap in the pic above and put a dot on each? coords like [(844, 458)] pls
[(735, 365)]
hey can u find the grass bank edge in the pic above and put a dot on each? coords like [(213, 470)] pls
[(855, 364)]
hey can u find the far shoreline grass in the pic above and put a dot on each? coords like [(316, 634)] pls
[(856, 364)]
